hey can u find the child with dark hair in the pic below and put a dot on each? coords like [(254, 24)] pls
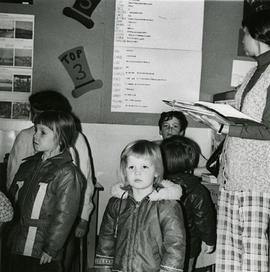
[(80, 151), (46, 193), (142, 228), (181, 157), (172, 123)]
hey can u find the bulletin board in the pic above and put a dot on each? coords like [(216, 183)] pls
[(56, 34)]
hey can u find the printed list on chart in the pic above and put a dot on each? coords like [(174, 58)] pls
[(157, 54)]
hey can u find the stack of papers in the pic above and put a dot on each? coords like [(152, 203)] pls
[(222, 113)]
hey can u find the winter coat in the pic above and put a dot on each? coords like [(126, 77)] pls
[(142, 236), (6, 210), (46, 195), (199, 213)]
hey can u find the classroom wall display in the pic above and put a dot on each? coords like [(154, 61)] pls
[(16, 62), (82, 11), (56, 33), (74, 60)]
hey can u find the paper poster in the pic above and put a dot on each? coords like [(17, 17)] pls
[(141, 81), (157, 53), (16, 62)]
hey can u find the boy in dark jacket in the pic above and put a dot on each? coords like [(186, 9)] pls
[(181, 156)]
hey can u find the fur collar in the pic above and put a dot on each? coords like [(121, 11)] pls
[(167, 190)]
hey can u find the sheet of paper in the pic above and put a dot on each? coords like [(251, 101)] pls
[(141, 81), (239, 70), (226, 110), (157, 53), (168, 24)]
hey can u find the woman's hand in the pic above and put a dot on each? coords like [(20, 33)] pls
[(45, 258)]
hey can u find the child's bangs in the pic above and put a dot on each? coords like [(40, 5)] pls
[(46, 122)]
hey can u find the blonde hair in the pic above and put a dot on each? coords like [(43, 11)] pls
[(143, 148)]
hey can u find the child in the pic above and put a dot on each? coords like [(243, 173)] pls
[(47, 192), (172, 123), (139, 233), (6, 210), (181, 156)]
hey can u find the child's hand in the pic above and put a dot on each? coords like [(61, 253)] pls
[(207, 249), (45, 258), (81, 228)]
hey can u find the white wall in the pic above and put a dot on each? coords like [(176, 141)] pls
[(107, 142)]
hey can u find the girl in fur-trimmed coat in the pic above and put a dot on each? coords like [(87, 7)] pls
[(142, 228)]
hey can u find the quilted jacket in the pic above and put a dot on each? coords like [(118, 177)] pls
[(142, 236), (46, 196)]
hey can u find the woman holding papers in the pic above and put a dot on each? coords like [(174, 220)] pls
[(244, 176)]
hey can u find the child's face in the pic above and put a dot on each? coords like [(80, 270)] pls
[(140, 172), (170, 127), (44, 139)]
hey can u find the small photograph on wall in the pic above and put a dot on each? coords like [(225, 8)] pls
[(22, 83), (7, 29), (23, 57), (5, 109), (23, 30), (5, 82), (18, 1), (21, 110), (6, 56)]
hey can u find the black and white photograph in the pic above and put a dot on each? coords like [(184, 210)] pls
[(23, 57), (23, 30), (20, 110), (22, 83), (5, 109), (5, 82), (6, 56)]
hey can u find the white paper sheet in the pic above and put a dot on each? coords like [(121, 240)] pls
[(157, 53)]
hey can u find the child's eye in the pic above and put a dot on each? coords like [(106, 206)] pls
[(131, 167), (145, 167)]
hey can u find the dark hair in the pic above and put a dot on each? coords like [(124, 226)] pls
[(258, 26), (165, 116), (49, 100), (62, 123), (180, 154), (142, 148)]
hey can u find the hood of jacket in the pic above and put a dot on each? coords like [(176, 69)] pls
[(187, 181), (167, 190)]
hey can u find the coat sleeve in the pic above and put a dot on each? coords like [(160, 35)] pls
[(106, 241), (174, 237), (253, 131), (19, 151), (81, 157), (204, 216), (6, 210), (68, 186)]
